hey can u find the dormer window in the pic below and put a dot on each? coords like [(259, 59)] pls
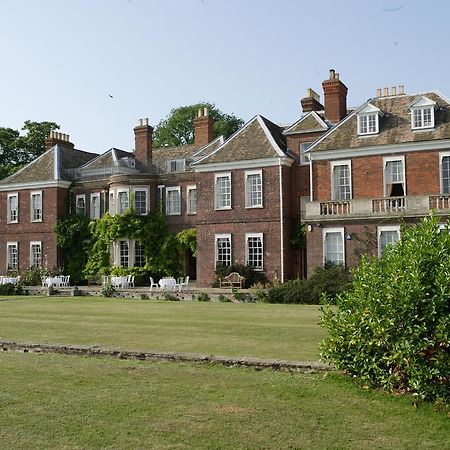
[(422, 113), (176, 165), (368, 118)]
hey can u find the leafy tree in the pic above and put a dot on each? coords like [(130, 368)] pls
[(17, 150), (391, 329), (178, 127)]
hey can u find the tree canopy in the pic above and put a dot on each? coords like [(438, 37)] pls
[(178, 127), (17, 150)]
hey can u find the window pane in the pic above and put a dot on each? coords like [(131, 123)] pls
[(254, 190), (123, 202), (80, 205), (95, 207), (223, 251), (255, 252), (446, 175), (36, 204), (334, 248), (140, 202), (192, 201), (388, 238), (139, 258), (123, 256), (223, 192), (36, 255), (173, 201), (13, 208), (13, 257), (341, 181)]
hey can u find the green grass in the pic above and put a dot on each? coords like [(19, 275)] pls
[(255, 330), (57, 401)]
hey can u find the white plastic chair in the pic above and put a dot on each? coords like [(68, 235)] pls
[(44, 281), (153, 284), (178, 284), (130, 281), (185, 283)]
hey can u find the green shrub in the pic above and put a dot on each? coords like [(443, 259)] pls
[(33, 276), (392, 328), (11, 289), (108, 290), (329, 280), (144, 297), (251, 276), (224, 299), (203, 297), (167, 296)]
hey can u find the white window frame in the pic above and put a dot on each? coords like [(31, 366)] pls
[(366, 117), (92, 214), (33, 243), (10, 244), (189, 189), (387, 159), (80, 197), (304, 159), (161, 196), (216, 193), (9, 211), (421, 110), (248, 173), (134, 242), (441, 178), (334, 164), (147, 198), (180, 165), (324, 243), (247, 250), (382, 228), (112, 202), (169, 211), (216, 250), (32, 194), (122, 191)]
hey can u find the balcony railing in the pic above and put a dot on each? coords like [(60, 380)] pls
[(414, 205)]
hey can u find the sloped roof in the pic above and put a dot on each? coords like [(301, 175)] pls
[(106, 160), (42, 169), (309, 123), (394, 125), (258, 138)]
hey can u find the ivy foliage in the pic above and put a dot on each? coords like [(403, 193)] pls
[(391, 329), (188, 239)]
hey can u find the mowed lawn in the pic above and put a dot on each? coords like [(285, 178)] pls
[(229, 329), (58, 401)]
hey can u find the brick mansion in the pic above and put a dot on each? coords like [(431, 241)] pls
[(351, 176)]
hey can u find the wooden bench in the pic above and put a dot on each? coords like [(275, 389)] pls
[(232, 280)]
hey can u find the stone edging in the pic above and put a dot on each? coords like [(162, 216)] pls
[(96, 351)]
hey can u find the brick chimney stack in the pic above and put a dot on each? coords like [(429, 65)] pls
[(203, 127), (335, 97), (311, 102), (143, 143), (58, 138)]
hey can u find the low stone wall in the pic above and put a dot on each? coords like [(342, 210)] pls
[(96, 351)]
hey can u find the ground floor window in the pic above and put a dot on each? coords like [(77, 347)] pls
[(139, 256), (128, 253), (223, 249), (387, 235), (124, 254), (12, 256), (36, 254), (254, 250), (333, 246)]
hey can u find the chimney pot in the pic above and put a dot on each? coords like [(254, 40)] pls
[(394, 90), (379, 92), (205, 111), (336, 76), (199, 112), (386, 92), (401, 89), (332, 74)]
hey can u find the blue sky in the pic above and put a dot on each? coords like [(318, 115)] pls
[(61, 60)]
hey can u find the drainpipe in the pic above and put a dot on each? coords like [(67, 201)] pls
[(281, 222), (311, 196)]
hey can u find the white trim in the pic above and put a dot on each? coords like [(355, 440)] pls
[(91, 209), (302, 152), (31, 206), (391, 159), (216, 253), (173, 189), (340, 230), (269, 136), (35, 185), (77, 197), (121, 190), (189, 188), (244, 164), (319, 120), (382, 228), (220, 139), (8, 207), (135, 188), (254, 235), (311, 184), (31, 253), (246, 175), (56, 162), (11, 244), (114, 156), (223, 175), (345, 162), (280, 176), (405, 147), (441, 181), (368, 115)]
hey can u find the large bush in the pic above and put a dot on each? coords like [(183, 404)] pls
[(392, 328), (329, 280), (251, 275)]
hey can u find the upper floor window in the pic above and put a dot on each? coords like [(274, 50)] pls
[(341, 180), (192, 199), (173, 201), (223, 191), (394, 176), (368, 120), (254, 250), (36, 206), (35, 254), (95, 206), (80, 204), (176, 165), (445, 173), (333, 246), (223, 249), (253, 189), (13, 208), (422, 113), (140, 201), (12, 256), (387, 235), (122, 201), (304, 158)]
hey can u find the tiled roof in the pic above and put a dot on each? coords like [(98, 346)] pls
[(161, 155), (310, 122), (394, 125), (259, 138)]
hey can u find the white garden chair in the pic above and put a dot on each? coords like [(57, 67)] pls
[(130, 281), (153, 284), (185, 283)]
